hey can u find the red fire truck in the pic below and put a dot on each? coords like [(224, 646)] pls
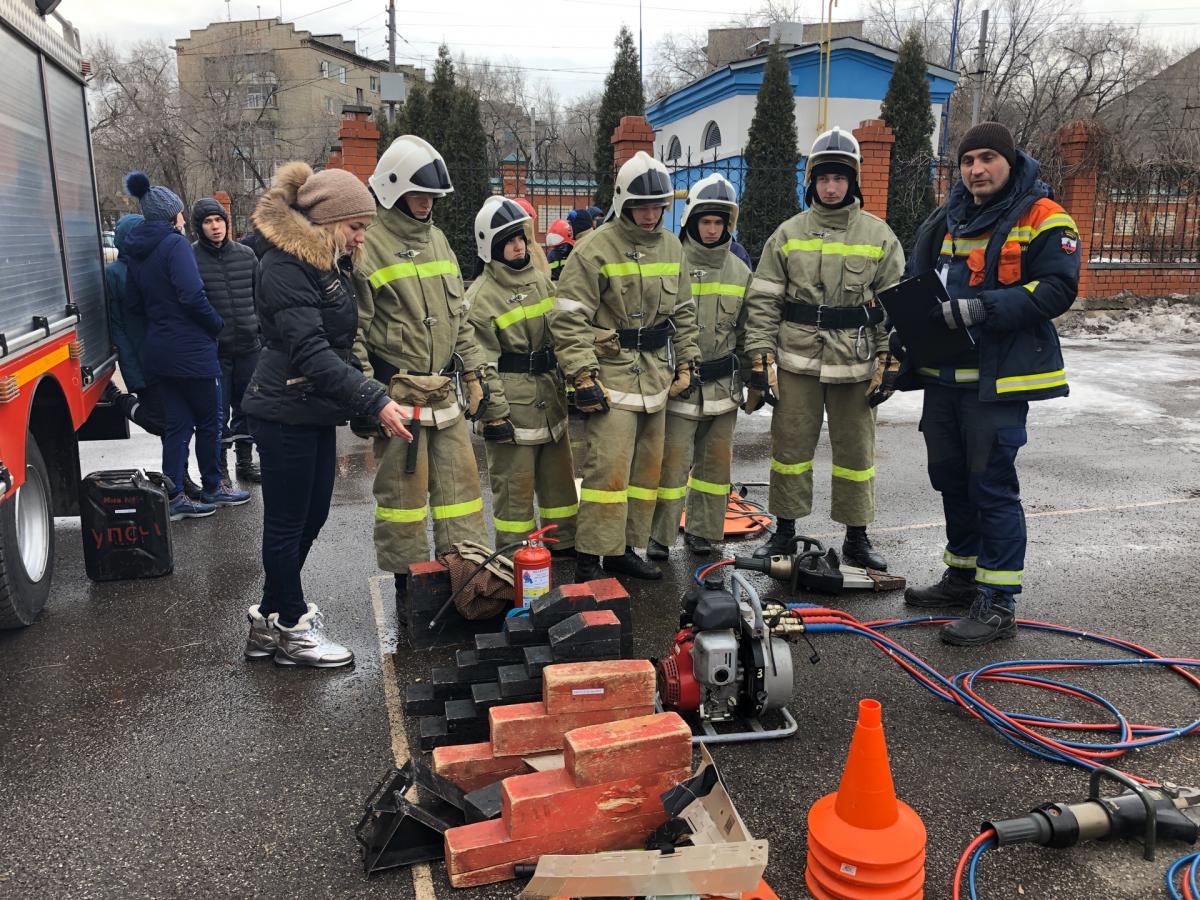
[(55, 352)]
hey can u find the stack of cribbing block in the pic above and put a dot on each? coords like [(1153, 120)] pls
[(591, 621), (606, 797), (428, 590)]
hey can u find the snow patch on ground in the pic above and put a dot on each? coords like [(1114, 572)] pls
[(1155, 320)]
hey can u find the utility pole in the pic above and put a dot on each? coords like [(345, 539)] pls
[(391, 54), (641, 63), (952, 65), (981, 69)]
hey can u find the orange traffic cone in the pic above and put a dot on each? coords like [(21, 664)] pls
[(863, 843)]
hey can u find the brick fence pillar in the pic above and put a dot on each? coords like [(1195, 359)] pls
[(632, 134), (875, 141), (513, 175), (1078, 191), (358, 143)]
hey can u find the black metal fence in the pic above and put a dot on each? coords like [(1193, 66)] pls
[(1146, 214)]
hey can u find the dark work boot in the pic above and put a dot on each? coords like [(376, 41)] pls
[(562, 552), (247, 468), (780, 542), (857, 549), (698, 545), (956, 590), (587, 567), (401, 596), (655, 550), (992, 617), (629, 563), (193, 490)]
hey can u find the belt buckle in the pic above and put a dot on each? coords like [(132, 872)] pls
[(638, 346), (820, 312), (529, 368)]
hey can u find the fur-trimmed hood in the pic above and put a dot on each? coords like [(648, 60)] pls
[(281, 224)]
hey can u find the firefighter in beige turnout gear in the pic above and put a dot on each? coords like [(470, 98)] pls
[(413, 333), (625, 336), (813, 311), (528, 448), (698, 451)]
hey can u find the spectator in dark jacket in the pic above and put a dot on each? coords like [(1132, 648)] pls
[(141, 405), (180, 351), (307, 382), (227, 269)]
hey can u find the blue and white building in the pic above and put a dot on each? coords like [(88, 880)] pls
[(703, 127)]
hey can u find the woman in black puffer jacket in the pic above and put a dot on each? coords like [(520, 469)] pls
[(307, 382)]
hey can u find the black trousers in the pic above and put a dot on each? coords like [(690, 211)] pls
[(236, 372), (298, 464), (192, 406)]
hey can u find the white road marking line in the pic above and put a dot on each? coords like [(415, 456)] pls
[(422, 881), (1050, 513)]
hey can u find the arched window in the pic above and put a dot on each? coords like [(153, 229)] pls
[(674, 150), (712, 136)]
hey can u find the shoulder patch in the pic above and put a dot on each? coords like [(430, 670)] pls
[(1070, 240)]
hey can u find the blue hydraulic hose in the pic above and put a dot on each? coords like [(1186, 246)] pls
[(975, 857), (1192, 862)]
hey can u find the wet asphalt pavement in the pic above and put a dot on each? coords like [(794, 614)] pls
[(140, 756)]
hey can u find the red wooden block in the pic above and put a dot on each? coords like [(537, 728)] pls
[(543, 801), (472, 766), (607, 589), (610, 684), (614, 750), (525, 728), (473, 849)]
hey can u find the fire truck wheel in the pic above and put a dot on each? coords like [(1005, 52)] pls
[(26, 544)]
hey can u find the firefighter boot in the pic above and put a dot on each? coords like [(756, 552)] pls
[(655, 550), (587, 567), (247, 469), (992, 617), (780, 542), (698, 545), (857, 550), (629, 563), (401, 597), (956, 590)]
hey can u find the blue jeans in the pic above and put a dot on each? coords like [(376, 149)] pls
[(298, 464), (192, 406), (972, 448)]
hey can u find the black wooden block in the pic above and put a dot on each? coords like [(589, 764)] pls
[(472, 669), (592, 650), (419, 700), (433, 732), (520, 631), (576, 630), (495, 647), (516, 682), (464, 720), (447, 685), (483, 804), (486, 695), (537, 658)]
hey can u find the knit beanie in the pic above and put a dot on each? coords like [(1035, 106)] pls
[(159, 204), (989, 136), (334, 195)]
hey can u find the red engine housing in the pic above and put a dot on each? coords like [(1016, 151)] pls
[(677, 685)]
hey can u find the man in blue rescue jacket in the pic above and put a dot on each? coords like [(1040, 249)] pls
[(1009, 257)]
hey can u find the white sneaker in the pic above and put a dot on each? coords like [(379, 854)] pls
[(263, 640), (305, 643)]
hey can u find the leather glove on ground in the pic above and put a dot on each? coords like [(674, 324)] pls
[(961, 313), (499, 430), (590, 393), (684, 383), (883, 381), (477, 395), (762, 383)]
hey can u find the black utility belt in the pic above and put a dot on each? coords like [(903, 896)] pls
[(537, 363), (832, 316), (384, 370), (653, 338), (711, 370)]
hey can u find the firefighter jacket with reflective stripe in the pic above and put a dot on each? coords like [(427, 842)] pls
[(510, 311), (1020, 256), (624, 277), (823, 257), (719, 282), (411, 308)]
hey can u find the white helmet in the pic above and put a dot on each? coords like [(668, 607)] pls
[(643, 181), (834, 145), (409, 164), (712, 194), (498, 218)]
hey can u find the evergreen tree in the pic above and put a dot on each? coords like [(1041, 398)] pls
[(769, 194), (622, 97), (389, 131), (907, 110), (466, 158), (416, 111)]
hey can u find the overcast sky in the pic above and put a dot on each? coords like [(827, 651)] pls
[(565, 42)]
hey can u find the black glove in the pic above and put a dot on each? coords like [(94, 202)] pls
[(366, 427), (590, 395), (499, 430), (961, 313)]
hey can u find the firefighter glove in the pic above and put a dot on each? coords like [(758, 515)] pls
[(961, 313), (499, 430), (477, 393), (762, 383), (685, 381), (883, 381), (590, 394)]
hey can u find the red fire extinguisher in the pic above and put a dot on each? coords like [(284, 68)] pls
[(531, 569)]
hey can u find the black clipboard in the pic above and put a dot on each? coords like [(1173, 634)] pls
[(927, 340)]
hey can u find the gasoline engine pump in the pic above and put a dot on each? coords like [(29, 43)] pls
[(725, 665)]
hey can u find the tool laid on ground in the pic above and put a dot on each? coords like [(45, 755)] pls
[(725, 664), (811, 567)]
